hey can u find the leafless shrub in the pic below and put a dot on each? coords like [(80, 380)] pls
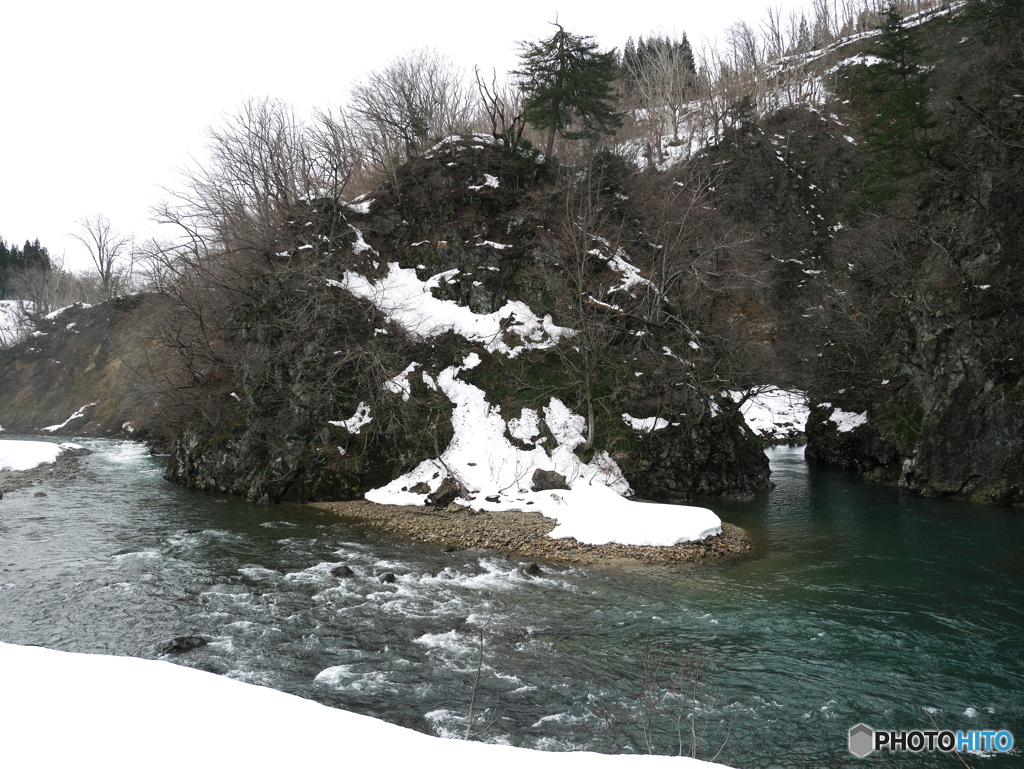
[(676, 689)]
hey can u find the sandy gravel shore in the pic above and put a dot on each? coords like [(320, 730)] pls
[(524, 535)]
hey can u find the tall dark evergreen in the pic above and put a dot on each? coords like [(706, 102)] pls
[(639, 57), (567, 87), (896, 89), (32, 256)]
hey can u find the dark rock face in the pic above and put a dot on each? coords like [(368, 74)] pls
[(182, 644), (950, 423), (547, 480), (718, 456), (966, 441), (942, 352), (861, 448)]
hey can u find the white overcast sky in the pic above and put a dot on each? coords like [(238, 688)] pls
[(104, 99)]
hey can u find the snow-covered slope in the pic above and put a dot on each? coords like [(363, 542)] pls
[(12, 321), (775, 415), (61, 709)]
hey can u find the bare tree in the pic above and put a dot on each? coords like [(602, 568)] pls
[(665, 83), (110, 251), (262, 163), (45, 290), (399, 109), (333, 155), (503, 106)]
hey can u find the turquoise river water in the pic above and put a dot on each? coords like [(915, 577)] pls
[(859, 604)]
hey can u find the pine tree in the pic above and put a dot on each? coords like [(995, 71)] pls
[(897, 91), (654, 52), (15, 261), (5, 265), (567, 87)]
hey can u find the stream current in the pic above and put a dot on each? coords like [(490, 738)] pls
[(858, 604)]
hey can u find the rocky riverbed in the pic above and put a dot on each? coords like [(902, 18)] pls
[(524, 535), (66, 466)]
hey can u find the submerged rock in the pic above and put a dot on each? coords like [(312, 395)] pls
[(531, 569), (183, 643)]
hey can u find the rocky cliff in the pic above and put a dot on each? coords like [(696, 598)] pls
[(939, 369), (589, 317), (356, 318)]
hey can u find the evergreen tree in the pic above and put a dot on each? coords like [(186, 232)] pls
[(567, 87), (639, 57), (14, 261), (897, 89), (5, 265), (35, 256)]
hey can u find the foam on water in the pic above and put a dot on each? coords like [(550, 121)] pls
[(242, 627), (458, 645), (141, 554), (260, 573), (560, 659)]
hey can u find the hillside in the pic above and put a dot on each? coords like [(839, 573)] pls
[(925, 331), (487, 324), (459, 316), (75, 374)]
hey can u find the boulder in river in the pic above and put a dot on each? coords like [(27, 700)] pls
[(182, 643), (530, 569)]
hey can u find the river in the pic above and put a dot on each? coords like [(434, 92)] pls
[(858, 604)]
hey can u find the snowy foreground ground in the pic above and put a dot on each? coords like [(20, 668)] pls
[(62, 709), (26, 455)]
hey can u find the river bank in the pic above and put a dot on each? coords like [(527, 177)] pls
[(524, 535), (65, 467)]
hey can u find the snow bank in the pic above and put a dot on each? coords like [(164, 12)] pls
[(25, 455), (355, 423), (497, 474), (645, 424), (61, 310), (847, 421), (65, 709), (77, 415), (596, 515), (407, 301)]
